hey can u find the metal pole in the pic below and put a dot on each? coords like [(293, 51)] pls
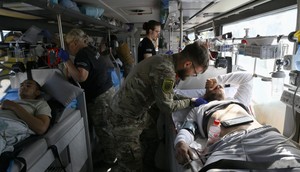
[(298, 15), (108, 37), (2, 36), (254, 69), (170, 36), (181, 26), (61, 36)]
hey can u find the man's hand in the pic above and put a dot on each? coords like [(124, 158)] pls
[(211, 84), (184, 153), (9, 105), (64, 55)]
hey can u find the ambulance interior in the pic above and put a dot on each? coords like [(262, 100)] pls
[(258, 36)]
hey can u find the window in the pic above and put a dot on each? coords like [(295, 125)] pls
[(269, 25), (10, 36), (274, 24), (206, 35)]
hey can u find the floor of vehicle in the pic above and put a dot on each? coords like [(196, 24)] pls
[(104, 167)]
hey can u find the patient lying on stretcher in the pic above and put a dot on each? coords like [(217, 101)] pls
[(21, 118), (243, 146)]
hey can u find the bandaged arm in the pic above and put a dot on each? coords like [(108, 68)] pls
[(189, 128), (185, 136)]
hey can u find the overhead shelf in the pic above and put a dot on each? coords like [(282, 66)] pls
[(49, 11)]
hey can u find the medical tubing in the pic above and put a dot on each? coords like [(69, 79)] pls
[(117, 66), (294, 114), (229, 143), (240, 140), (207, 155), (199, 154), (294, 123), (200, 159)]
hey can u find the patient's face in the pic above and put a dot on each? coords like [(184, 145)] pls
[(217, 93), (29, 90)]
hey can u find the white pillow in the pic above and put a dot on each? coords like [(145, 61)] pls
[(59, 88), (195, 93)]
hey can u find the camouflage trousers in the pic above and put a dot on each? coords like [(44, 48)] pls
[(149, 138), (98, 115), (126, 133)]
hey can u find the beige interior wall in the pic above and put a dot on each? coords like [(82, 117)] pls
[(199, 81), (267, 108)]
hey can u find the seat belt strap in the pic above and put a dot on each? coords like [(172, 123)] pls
[(237, 164), (23, 161), (56, 155)]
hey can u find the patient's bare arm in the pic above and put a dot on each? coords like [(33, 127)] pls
[(39, 124)]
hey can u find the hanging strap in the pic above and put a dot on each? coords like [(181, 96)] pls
[(6, 161), (56, 155), (6, 158), (23, 161), (117, 68), (214, 108), (237, 164)]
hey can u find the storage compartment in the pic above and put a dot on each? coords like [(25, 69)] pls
[(92, 11), (262, 52)]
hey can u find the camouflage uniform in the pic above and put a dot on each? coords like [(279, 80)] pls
[(149, 82), (97, 111)]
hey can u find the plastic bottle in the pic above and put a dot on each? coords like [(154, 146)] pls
[(297, 55), (17, 51), (214, 132), (246, 32), (10, 51)]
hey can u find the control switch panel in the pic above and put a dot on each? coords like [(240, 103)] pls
[(287, 98)]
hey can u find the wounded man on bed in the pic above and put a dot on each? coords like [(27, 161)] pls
[(21, 118), (242, 146)]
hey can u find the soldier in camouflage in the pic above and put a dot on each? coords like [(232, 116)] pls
[(151, 81)]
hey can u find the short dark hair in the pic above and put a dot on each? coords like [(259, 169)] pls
[(150, 25), (211, 96), (197, 53), (38, 86)]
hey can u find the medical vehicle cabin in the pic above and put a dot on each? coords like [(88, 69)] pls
[(261, 37)]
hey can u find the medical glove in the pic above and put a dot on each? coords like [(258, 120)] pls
[(64, 55), (199, 101)]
